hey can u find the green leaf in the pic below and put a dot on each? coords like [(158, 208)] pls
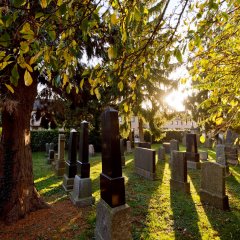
[(120, 86), (137, 14), (15, 73), (52, 35), (178, 54), (18, 3), (5, 40)]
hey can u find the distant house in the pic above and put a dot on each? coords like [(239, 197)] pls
[(179, 123)]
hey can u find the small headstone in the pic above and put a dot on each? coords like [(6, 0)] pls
[(174, 146), (71, 163), (91, 150), (113, 214), (203, 156), (145, 163), (184, 139), (212, 189), (179, 172), (208, 143), (82, 188), (51, 156), (122, 152), (192, 154), (161, 154), (47, 149), (166, 146), (129, 148), (144, 145), (221, 156), (51, 146), (60, 162), (231, 154)]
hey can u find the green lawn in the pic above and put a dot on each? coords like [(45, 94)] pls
[(157, 212)]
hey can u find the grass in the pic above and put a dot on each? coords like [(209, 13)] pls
[(157, 212)]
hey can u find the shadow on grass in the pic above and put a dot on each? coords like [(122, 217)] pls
[(184, 215), (226, 224), (139, 192)]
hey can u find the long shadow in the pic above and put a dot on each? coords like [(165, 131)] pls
[(184, 215), (226, 224), (139, 192)]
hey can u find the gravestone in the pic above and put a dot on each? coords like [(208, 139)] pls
[(166, 146), (145, 163), (51, 156), (184, 139), (132, 139), (47, 149), (113, 214), (192, 154), (71, 163), (82, 188), (174, 146), (231, 154), (178, 179), (60, 163), (122, 152), (208, 143), (203, 156), (129, 149), (144, 145), (221, 156), (212, 189), (161, 154), (51, 146), (91, 150)]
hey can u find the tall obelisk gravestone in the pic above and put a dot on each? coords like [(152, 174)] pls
[(113, 214), (71, 163), (82, 189)]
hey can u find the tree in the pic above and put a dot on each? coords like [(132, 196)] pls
[(44, 41), (215, 68)]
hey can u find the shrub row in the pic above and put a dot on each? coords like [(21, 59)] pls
[(173, 134)]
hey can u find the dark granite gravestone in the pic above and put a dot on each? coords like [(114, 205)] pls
[(71, 163), (60, 163), (144, 145), (231, 154), (122, 152), (161, 154), (166, 146), (82, 188), (145, 162), (212, 189), (113, 214), (178, 179), (132, 139), (192, 154)]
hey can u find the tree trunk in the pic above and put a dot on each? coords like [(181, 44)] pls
[(141, 135), (18, 195)]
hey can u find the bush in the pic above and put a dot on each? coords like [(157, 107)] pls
[(147, 135), (173, 134)]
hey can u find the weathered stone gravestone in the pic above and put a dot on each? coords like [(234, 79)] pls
[(82, 188), (166, 146), (192, 154), (161, 154), (51, 146), (212, 189), (60, 162), (113, 214), (231, 154), (144, 145), (203, 156), (145, 162), (51, 156), (47, 149), (178, 179), (71, 163), (91, 150), (221, 156), (129, 148), (122, 152), (208, 143), (174, 146)]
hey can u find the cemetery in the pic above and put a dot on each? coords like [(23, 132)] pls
[(119, 120)]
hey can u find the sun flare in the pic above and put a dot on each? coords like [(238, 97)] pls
[(175, 100)]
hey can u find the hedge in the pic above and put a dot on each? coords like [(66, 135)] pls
[(173, 134)]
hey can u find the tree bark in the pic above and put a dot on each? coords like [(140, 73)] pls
[(18, 195)]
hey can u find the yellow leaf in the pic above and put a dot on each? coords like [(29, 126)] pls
[(98, 95), (114, 19), (202, 139), (219, 121), (29, 67), (9, 88), (35, 58), (120, 86), (65, 79), (134, 97), (43, 3), (91, 91), (59, 2), (183, 80), (111, 53), (81, 83), (27, 78), (125, 106)]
